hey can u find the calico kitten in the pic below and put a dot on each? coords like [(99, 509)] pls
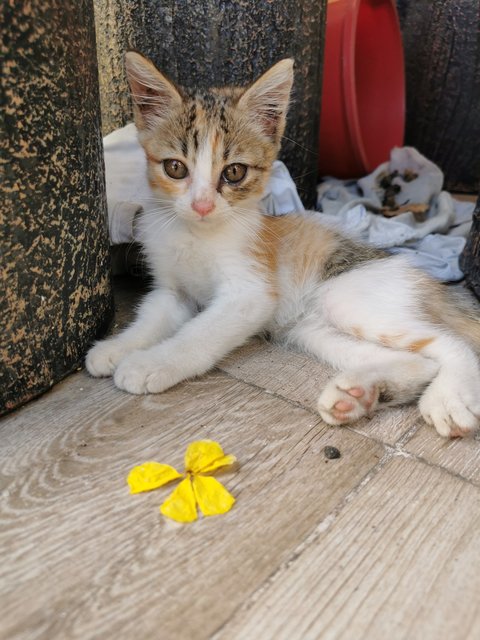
[(224, 272)]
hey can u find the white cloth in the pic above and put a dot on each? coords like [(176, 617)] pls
[(405, 161), (126, 181)]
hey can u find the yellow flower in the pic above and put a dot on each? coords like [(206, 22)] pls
[(202, 456)]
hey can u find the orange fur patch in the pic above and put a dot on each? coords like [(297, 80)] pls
[(418, 345), (357, 332), (265, 252), (391, 341), (164, 185), (306, 246), (215, 142)]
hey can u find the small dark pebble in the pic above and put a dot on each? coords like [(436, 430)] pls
[(331, 453)]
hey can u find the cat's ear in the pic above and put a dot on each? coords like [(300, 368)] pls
[(267, 98), (153, 95)]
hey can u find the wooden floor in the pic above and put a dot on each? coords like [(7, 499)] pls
[(383, 543)]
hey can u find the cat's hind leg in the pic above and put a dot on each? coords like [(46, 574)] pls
[(388, 304), (372, 376), (451, 403), (355, 393)]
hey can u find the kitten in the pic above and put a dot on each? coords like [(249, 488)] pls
[(224, 272)]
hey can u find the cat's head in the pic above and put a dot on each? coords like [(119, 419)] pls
[(209, 154)]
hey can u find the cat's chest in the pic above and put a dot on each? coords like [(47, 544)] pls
[(194, 267)]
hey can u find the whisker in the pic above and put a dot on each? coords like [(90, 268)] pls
[(315, 153), (303, 175), (160, 214), (252, 230), (158, 225)]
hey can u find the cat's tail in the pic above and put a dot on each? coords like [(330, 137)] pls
[(459, 312), (466, 326)]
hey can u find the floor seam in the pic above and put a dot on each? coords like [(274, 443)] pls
[(414, 456), (396, 449), (297, 404), (320, 528), (324, 525)]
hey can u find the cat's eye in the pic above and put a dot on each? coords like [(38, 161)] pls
[(175, 169), (234, 173)]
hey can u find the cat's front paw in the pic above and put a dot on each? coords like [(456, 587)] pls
[(141, 373), (104, 356), (452, 408), (345, 400)]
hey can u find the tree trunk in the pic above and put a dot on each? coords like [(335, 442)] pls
[(442, 55), (470, 258), (55, 292), (217, 42)]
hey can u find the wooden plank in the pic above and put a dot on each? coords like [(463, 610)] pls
[(301, 378), (399, 561), (81, 558), (460, 456)]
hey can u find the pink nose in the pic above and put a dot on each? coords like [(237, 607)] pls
[(203, 207)]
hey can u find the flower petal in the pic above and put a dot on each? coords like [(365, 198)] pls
[(212, 497), (150, 475), (203, 456), (224, 461), (181, 505)]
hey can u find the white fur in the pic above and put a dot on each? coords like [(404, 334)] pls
[(203, 184), (198, 269)]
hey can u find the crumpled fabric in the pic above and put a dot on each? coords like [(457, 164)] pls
[(406, 162), (126, 182), (433, 243)]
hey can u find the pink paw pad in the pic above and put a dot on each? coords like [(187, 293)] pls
[(343, 405), (365, 397), (458, 432), (344, 400), (356, 392), (360, 397)]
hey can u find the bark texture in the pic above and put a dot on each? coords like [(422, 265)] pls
[(470, 258), (442, 55), (217, 42), (55, 293)]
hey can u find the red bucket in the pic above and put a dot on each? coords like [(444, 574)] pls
[(363, 97)]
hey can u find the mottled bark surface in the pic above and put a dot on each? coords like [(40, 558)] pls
[(470, 258), (113, 25), (55, 293), (217, 42), (442, 54)]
